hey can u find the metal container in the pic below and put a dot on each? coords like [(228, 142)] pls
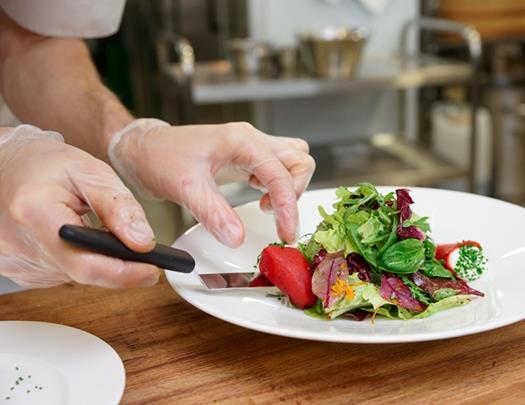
[(332, 52), (507, 104), (249, 57), (286, 62)]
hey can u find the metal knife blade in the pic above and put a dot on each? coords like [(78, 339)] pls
[(217, 281)]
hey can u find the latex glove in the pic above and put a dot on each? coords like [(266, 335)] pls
[(45, 184), (183, 164)]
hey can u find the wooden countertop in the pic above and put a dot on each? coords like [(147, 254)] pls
[(174, 353)]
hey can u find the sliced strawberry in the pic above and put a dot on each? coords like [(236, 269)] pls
[(288, 270), (260, 281)]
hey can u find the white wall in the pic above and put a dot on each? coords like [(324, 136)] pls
[(330, 117)]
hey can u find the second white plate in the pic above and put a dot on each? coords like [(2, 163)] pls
[(49, 364)]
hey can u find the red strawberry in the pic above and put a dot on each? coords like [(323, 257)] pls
[(260, 281), (287, 269)]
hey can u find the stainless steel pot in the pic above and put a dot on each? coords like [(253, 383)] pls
[(249, 57), (332, 52)]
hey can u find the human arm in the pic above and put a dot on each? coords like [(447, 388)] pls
[(52, 83), (177, 163)]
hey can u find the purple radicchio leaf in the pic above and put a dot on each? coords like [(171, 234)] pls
[(406, 232), (331, 268), (403, 204), (357, 264), (319, 256), (431, 285), (356, 314), (393, 289)]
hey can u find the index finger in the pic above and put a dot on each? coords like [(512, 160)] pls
[(275, 178)]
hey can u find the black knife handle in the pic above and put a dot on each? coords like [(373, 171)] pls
[(108, 244)]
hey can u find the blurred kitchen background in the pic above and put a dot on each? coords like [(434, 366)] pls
[(396, 92)]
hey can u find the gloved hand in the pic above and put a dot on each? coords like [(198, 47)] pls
[(184, 164), (45, 184)]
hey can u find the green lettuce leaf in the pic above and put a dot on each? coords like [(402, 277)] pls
[(445, 303), (365, 295)]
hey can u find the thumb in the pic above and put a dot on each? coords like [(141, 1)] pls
[(204, 200), (116, 207)]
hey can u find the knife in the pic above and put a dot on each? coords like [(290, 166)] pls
[(162, 256)]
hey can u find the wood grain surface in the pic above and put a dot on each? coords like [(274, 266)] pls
[(176, 354)]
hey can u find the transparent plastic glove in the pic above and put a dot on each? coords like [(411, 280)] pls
[(186, 163), (45, 184)]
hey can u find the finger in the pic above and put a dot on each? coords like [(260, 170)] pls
[(301, 168), (116, 207), (55, 258), (102, 271), (269, 171), (293, 154), (199, 193), (89, 268), (299, 144)]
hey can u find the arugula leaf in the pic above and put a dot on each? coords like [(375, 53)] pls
[(342, 192), (392, 237), (368, 253), (417, 292), (420, 222)]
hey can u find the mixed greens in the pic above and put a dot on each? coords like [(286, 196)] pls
[(373, 255)]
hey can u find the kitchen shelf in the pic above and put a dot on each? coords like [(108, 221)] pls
[(385, 159), (214, 82), (382, 159)]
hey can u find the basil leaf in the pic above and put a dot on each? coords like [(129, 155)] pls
[(404, 257), (430, 249), (435, 269)]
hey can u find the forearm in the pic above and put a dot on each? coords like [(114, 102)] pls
[(53, 84)]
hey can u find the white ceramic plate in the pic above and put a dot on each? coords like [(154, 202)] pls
[(49, 364), (454, 216)]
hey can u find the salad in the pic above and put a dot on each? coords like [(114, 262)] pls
[(372, 256)]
